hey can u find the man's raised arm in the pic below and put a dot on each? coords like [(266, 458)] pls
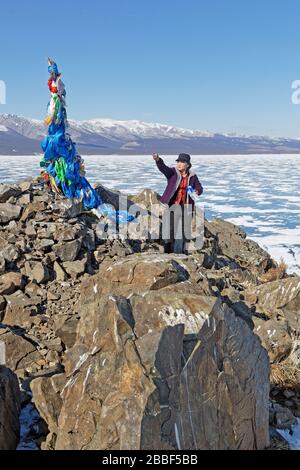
[(166, 170)]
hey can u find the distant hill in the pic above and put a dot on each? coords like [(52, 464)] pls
[(22, 136)]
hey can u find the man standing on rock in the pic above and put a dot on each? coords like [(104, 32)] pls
[(182, 185)]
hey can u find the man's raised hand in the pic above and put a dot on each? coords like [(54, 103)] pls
[(155, 156)]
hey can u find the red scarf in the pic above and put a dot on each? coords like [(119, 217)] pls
[(180, 197)]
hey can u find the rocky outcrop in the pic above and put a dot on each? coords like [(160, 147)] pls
[(9, 409), (172, 361), (21, 354), (121, 344), (277, 320), (231, 243)]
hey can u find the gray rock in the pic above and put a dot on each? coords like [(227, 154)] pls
[(89, 242), (67, 251), (27, 185), (51, 296), (146, 198), (231, 242), (275, 337), (67, 233), (161, 369), (30, 230), (33, 210), (40, 273), (288, 393), (9, 212), (152, 357), (277, 306), (10, 405), (10, 282), (67, 208), (2, 305), (2, 263), (66, 331), (109, 196), (60, 274), (10, 253), (46, 396), (47, 230), (283, 417), (34, 290), (20, 353), (283, 293), (54, 345), (45, 244), (75, 268), (25, 200), (6, 192), (139, 274)]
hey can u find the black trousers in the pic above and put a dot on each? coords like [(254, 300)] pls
[(180, 220)]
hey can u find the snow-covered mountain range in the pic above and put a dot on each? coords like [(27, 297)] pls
[(22, 136)]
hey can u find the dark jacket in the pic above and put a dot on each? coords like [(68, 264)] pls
[(173, 176)]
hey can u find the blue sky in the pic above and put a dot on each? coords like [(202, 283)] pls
[(220, 65)]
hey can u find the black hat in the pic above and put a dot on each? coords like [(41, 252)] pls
[(184, 157)]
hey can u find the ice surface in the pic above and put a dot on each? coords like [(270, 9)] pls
[(29, 418), (292, 436), (261, 193)]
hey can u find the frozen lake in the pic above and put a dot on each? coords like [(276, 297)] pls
[(261, 193)]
